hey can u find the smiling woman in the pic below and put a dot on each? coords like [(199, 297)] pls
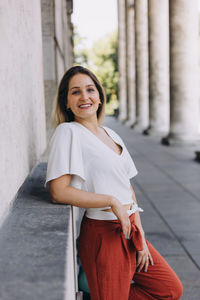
[(86, 170)]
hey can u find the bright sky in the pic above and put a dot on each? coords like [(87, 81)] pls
[(94, 18)]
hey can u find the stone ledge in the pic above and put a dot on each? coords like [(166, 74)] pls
[(33, 241)]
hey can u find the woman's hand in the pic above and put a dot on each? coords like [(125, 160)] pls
[(144, 258), (122, 215)]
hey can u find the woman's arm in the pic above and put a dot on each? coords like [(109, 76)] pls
[(62, 192)]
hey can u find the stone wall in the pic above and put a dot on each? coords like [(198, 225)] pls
[(36, 50), (22, 108)]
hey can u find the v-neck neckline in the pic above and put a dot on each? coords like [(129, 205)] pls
[(88, 130)]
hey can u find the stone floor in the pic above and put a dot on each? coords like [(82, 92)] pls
[(167, 187)]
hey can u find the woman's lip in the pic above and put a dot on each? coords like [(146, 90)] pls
[(84, 107)]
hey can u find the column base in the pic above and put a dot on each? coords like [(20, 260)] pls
[(122, 118), (176, 139), (138, 127), (197, 158), (129, 123), (154, 132), (157, 133)]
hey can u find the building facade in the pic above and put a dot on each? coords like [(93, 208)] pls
[(36, 48), (159, 68)]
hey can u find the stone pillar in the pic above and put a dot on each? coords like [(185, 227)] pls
[(131, 63), (184, 73), (122, 60), (159, 67), (141, 51), (57, 48), (68, 31), (49, 59)]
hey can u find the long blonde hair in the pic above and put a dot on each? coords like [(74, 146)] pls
[(60, 113)]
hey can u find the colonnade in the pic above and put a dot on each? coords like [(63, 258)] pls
[(158, 59)]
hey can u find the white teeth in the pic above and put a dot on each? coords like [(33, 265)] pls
[(85, 105)]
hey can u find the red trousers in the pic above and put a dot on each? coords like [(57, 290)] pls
[(109, 262)]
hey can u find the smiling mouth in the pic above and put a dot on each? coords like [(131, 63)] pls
[(84, 106)]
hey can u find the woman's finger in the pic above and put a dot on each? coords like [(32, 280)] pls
[(141, 265), (151, 259), (139, 258), (146, 264), (126, 229), (129, 229)]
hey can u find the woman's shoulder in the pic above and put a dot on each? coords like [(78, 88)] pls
[(65, 127), (63, 130)]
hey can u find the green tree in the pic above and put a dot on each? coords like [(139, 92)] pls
[(80, 52), (103, 59)]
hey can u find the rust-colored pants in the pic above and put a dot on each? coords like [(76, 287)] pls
[(109, 262)]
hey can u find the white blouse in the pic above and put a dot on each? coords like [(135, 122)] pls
[(94, 166)]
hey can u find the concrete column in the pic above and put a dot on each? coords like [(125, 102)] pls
[(141, 51), (184, 73), (68, 31), (122, 60), (57, 48), (49, 58), (131, 63), (159, 67)]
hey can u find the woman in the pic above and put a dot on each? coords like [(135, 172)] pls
[(89, 166)]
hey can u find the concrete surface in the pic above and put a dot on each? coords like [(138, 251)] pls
[(33, 244)]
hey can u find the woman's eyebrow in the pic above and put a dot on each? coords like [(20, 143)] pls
[(77, 87)]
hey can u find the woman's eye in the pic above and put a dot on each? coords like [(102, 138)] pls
[(75, 92), (90, 90)]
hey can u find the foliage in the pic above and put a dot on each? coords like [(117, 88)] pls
[(102, 59), (80, 51)]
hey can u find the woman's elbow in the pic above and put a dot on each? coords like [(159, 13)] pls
[(54, 193), (57, 188), (54, 197), (54, 200)]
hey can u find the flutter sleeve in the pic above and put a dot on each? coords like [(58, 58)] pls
[(65, 155), (130, 165)]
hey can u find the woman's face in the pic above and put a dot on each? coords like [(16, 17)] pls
[(83, 96)]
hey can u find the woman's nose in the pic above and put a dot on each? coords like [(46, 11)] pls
[(84, 95)]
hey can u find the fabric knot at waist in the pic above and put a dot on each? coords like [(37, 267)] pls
[(135, 235), (104, 226)]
